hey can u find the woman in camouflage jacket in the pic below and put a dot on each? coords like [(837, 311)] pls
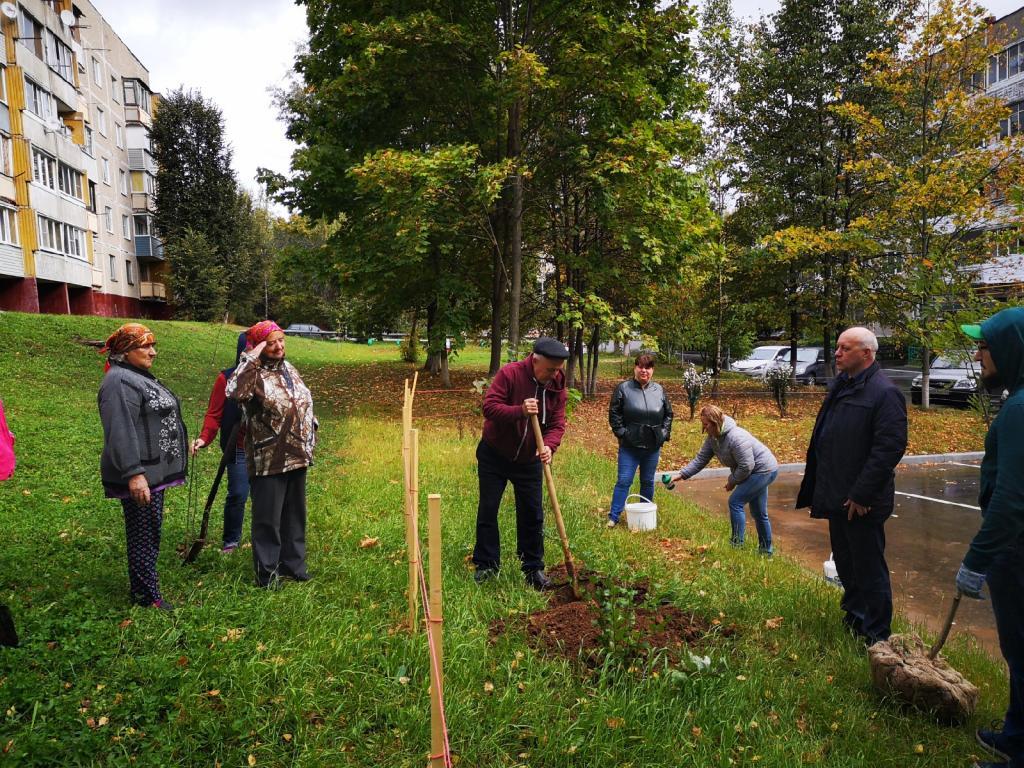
[(280, 434)]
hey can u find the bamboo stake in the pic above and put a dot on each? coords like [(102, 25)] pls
[(411, 543), (570, 567), (413, 533), (436, 673)]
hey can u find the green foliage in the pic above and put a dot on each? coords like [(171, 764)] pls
[(778, 380), (196, 190), (409, 349), (620, 639), (197, 277)]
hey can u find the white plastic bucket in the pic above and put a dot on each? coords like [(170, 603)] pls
[(641, 516), (831, 573)]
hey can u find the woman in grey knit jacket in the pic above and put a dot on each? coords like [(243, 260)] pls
[(753, 466)]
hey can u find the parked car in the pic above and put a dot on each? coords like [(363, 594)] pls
[(810, 364), (951, 381), (757, 363), (306, 331)]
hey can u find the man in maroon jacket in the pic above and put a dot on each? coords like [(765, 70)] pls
[(508, 453)]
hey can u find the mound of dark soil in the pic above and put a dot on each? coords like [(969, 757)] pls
[(572, 627)]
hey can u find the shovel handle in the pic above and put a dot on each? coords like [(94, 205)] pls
[(945, 629), (549, 479)]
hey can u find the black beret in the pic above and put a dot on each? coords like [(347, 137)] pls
[(551, 348)]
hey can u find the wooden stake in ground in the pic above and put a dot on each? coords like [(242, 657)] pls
[(570, 567), (411, 472), (436, 672)]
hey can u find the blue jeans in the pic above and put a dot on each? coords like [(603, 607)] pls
[(754, 492), (234, 504), (631, 459)]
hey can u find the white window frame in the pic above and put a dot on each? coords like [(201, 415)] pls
[(119, 135), (101, 121), (97, 72), (129, 272), (44, 169), (8, 225), (3, 84), (108, 218), (113, 88), (69, 181), (106, 170), (122, 181), (126, 226), (113, 268), (6, 156)]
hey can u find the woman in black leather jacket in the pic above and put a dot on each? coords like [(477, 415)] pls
[(640, 415)]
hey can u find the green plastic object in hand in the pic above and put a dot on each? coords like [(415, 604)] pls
[(666, 478)]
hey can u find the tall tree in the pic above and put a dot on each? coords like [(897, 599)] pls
[(940, 168), (798, 66), (196, 190)]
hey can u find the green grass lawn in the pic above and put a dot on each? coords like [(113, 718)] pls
[(323, 674)]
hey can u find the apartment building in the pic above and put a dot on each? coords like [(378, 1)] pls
[(76, 170), (1002, 276)]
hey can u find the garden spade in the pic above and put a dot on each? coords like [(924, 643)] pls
[(197, 545), (570, 567)]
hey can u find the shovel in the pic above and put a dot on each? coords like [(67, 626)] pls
[(570, 567), (197, 546)]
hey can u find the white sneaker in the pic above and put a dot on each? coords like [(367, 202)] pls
[(610, 524)]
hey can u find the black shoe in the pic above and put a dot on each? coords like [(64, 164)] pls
[(538, 580), (163, 605), (301, 577), (484, 574), (993, 741), (271, 585), (8, 634)]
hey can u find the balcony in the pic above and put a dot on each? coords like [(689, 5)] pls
[(141, 160), (142, 201), (152, 291), (97, 278), (148, 248), (138, 115)]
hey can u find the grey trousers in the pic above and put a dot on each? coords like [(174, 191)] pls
[(279, 525)]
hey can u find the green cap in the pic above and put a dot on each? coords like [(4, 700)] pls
[(973, 331)]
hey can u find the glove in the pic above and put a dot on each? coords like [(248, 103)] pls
[(970, 582)]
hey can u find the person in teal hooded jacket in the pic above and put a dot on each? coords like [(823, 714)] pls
[(996, 554)]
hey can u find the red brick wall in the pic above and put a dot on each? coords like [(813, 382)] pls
[(28, 295)]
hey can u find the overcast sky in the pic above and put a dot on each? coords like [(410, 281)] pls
[(235, 52)]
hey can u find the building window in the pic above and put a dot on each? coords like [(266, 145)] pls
[(97, 75), (1006, 64), (8, 225), (142, 226), (92, 196), (119, 135), (126, 227), (122, 180), (114, 94), (108, 218), (38, 101), (3, 84), (129, 271), (70, 181), (101, 121), (44, 169), (5, 154), (88, 141), (30, 33), (106, 170), (61, 238), (1014, 122), (59, 57), (113, 268)]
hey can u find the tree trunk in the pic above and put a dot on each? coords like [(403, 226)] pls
[(570, 365), (432, 364), (514, 226), (926, 366), (497, 302), (595, 353)]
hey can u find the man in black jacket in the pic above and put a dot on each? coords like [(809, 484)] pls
[(859, 437)]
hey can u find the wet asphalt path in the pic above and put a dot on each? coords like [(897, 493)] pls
[(934, 521)]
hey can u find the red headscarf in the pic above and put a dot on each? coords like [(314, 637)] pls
[(260, 332)]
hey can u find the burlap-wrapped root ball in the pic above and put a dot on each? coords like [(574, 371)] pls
[(900, 665)]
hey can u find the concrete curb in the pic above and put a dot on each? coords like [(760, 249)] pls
[(788, 469)]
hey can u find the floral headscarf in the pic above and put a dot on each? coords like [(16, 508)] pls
[(260, 332), (128, 337)]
